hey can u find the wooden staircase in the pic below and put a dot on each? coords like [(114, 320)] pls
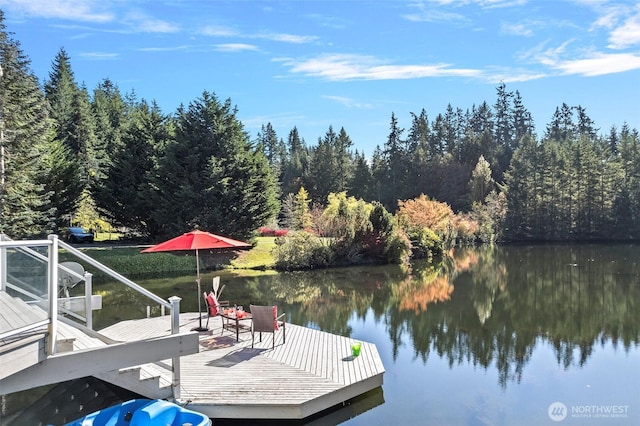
[(144, 366)]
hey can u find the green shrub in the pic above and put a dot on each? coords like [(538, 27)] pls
[(426, 243), (398, 248), (301, 250)]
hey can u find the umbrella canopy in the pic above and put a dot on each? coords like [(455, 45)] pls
[(196, 240)]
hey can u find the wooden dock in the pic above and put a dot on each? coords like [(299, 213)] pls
[(311, 372)]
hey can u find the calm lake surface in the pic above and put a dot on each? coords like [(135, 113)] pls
[(509, 335)]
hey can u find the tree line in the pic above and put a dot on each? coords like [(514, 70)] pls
[(101, 158)]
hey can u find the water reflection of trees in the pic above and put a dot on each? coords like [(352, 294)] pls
[(326, 299), (506, 301)]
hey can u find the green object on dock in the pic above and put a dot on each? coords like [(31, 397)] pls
[(355, 348)]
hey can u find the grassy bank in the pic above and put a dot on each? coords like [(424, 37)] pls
[(129, 261)]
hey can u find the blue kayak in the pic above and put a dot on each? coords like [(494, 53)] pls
[(143, 412)]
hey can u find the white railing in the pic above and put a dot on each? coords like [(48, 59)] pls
[(54, 245), (51, 260)]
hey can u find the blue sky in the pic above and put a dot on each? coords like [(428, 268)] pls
[(347, 63)]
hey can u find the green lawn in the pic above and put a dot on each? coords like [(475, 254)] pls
[(259, 257)]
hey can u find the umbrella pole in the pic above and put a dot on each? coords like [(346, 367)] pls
[(200, 327)]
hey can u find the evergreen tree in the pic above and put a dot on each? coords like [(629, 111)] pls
[(437, 137), (330, 165), (82, 137), (73, 122), (395, 161), (613, 140), (110, 112), (522, 120), (126, 196), (24, 134), (267, 141), (504, 130), (211, 177), (295, 164), (61, 182), (344, 161), (522, 190), (380, 175), (60, 91), (561, 127), (362, 180), (420, 154)]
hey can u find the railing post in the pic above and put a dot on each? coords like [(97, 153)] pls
[(53, 295), (88, 293), (175, 329)]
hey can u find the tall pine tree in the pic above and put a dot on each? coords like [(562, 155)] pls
[(211, 177), (24, 134)]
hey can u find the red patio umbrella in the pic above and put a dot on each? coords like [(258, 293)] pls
[(197, 240)]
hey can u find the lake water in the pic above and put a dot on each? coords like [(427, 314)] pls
[(510, 335)]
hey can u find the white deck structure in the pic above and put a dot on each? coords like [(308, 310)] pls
[(311, 372), (161, 357)]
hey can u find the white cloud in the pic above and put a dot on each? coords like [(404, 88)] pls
[(433, 15), (141, 22), (221, 31), (340, 67), (99, 55), (348, 102), (520, 29), (497, 75), (235, 47), (333, 22), (588, 63), (287, 38), (626, 35), (599, 64), (79, 10), (165, 49), (218, 31)]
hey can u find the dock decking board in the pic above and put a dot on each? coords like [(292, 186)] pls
[(312, 371), (16, 314)]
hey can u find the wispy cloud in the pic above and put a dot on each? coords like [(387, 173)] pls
[(222, 31), (599, 64), (340, 67), (235, 47), (218, 31), (443, 10), (224, 47), (99, 55), (435, 15), (326, 21), (77, 10), (517, 29), (141, 22), (165, 48), (495, 76), (285, 38), (489, 4), (628, 34), (91, 11), (348, 102)]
